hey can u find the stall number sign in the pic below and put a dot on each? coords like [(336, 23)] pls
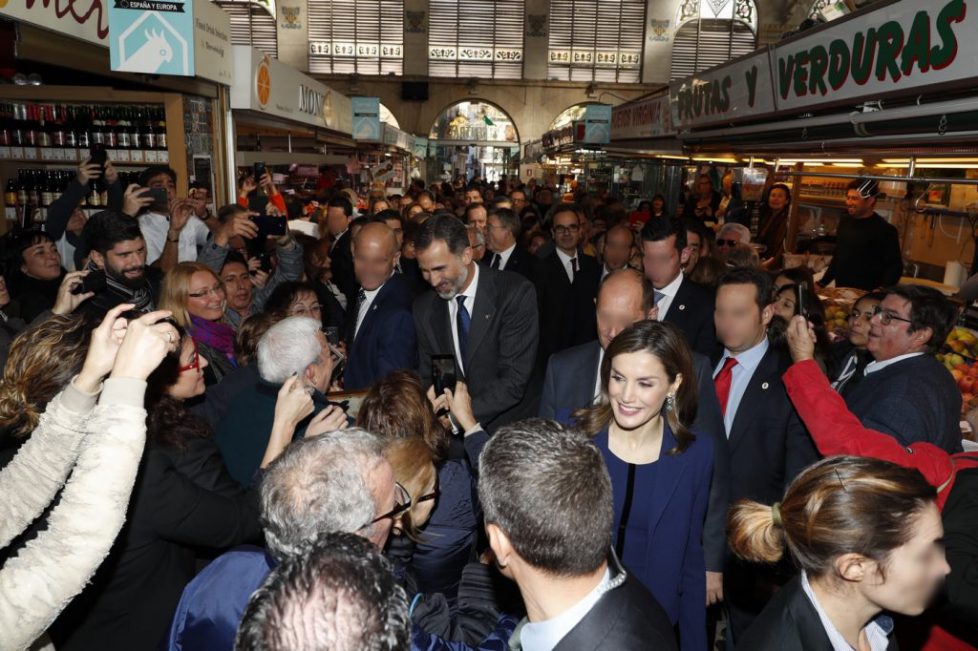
[(599, 58), (446, 53), (152, 36), (901, 46), (382, 50)]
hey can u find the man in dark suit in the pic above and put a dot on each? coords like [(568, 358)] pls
[(486, 319), (339, 214), (572, 382), (768, 444), (503, 228), (680, 301), (548, 510), (381, 336), (567, 283), (906, 393)]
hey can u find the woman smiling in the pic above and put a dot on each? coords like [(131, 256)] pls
[(660, 470)]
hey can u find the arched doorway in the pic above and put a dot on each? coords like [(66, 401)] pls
[(473, 139), (712, 32)]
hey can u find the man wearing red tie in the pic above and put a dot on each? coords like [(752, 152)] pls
[(768, 444)]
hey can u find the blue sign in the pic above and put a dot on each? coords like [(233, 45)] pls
[(152, 36), (597, 124), (366, 118)]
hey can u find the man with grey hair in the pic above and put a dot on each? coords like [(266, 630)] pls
[(547, 499), (294, 346), (729, 236), (339, 593), (336, 482)]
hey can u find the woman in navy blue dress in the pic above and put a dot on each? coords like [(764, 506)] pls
[(660, 470)]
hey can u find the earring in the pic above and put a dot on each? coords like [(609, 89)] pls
[(670, 402)]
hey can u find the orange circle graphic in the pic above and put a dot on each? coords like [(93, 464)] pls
[(263, 83)]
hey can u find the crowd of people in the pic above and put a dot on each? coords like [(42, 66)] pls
[(476, 416)]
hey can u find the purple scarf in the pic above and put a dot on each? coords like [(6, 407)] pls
[(215, 334)]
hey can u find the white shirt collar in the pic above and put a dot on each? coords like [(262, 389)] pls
[(876, 631), (872, 367), (564, 257), (749, 359), (672, 288), (470, 291), (505, 255), (545, 635)]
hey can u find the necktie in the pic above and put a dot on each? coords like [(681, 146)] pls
[(361, 297), (659, 296), (496, 259), (463, 320), (722, 383), (574, 268)]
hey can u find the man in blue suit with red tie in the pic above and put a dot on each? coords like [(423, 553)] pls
[(381, 336)]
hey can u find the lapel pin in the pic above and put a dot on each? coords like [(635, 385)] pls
[(682, 307), (765, 386)]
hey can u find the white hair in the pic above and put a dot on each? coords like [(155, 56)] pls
[(288, 348), (734, 227)]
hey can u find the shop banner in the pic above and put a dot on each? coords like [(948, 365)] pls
[(732, 92), (366, 118), (152, 36), (264, 84), (597, 124), (87, 20), (899, 48), (646, 118), (212, 43), (397, 138)]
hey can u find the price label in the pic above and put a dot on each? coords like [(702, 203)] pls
[(121, 155), (70, 154), (17, 152), (151, 156), (163, 156), (4, 152), (30, 153), (83, 154), (137, 155)]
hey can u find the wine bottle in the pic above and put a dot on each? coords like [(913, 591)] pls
[(83, 127), (30, 125), (22, 187), (5, 125), (98, 127), (160, 129), (122, 129), (135, 128)]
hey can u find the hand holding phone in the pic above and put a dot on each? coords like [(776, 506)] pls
[(444, 373), (800, 290)]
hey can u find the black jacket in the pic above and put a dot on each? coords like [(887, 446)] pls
[(691, 310), (768, 443), (567, 314), (626, 618), (341, 263), (790, 623), (520, 261), (501, 350), (181, 500)]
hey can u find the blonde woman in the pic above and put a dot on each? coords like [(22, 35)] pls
[(196, 297)]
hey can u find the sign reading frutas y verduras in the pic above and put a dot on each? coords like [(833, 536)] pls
[(900, 47), (723, 94)]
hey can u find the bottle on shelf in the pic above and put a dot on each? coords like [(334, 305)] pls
[(121, 128), (10, 199), (160, 126)]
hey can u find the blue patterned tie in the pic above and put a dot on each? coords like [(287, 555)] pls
[(463, 320)]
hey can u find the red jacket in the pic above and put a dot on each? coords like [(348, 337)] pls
[(837, 431)]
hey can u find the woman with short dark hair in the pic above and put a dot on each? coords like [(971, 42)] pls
[(660, 470)]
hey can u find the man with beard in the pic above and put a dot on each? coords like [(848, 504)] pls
[(118, 254), (485, 319)]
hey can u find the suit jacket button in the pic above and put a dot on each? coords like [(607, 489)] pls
[(765, 386), (682, 307)]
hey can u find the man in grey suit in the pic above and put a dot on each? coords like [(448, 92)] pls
[(486, 319), (572, 381)]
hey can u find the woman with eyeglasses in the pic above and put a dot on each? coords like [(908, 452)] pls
[(396, 407), (295, 299), (184, 504), (196, 297), (660, 470), (848, 358)]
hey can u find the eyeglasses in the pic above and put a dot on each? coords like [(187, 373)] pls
[(563, 230), (216, 290), (433, 495), (402, 503), (730, 243), (866, 316), (194, 360), (887, 317)]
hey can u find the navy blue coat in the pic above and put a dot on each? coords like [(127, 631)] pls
[(386, 341)]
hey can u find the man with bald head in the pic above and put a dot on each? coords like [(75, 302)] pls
[(572, 382), (381, 336)]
